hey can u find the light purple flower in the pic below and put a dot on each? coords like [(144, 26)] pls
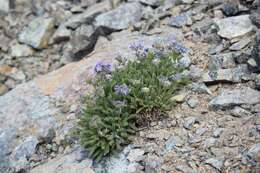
[(174, 45), (140, 50), (121, 89), (103, 67)]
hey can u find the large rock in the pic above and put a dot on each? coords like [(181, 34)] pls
[(232, 27), (219, 61), (235, 97), (120, 18), (38, 32), (227, 75)]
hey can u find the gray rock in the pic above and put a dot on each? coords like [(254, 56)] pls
[(5, 141), (200, 88), (30, 108), (232, 27), (252, 63), (61, 34), (195, 72), (120, 18), (240, 45), (219, 47), (173, 141), (224, 60), (258, 128), (256, 4), (227, 75), (230, 9), (22, 152), (254, 151), (192, 103), (239, 112), (252, 132), (255, 18), (216, 163), (20, 50), (227, 98), (5, 6), (38, 32), (215, 62), (180, 20), (81, 45), (119, 163), (241, 58), (189, 122)]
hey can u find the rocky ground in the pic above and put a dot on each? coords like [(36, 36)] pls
[(48, 49)]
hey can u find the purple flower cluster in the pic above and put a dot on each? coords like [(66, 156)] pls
[(178, 47), (159, 47), (137, 46), (103, 67), (140, 50), (121, 89)]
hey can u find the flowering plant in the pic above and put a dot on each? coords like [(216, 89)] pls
[(133, 96)]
